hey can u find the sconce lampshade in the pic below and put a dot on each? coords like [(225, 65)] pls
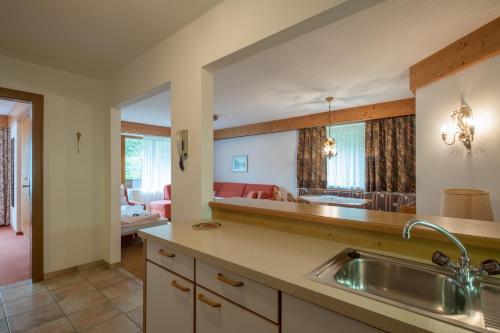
[(466, 204)]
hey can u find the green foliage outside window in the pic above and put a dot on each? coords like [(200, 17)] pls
[(133, 158)]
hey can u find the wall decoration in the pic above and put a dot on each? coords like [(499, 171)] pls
[(240, 163)]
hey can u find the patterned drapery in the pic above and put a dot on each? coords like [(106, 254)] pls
[(311, 162), (4, 176), (390, 154)]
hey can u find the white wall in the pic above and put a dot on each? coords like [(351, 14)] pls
[(74, 213), (17, 110), (271, 159), (440, 166)]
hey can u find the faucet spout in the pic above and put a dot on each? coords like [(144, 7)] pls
[(412, 223)]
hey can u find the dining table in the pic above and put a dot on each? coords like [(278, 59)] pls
[(333, 200)]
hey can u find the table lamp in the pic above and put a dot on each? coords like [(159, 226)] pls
[(466, 204)]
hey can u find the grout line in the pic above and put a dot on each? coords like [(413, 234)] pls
[(64, 314), (5, 313)]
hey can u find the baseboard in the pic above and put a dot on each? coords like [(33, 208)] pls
[(82, 267)]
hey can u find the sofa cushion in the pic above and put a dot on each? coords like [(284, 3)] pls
[(231, 190), (267, 190), (162, 207), (167, 192), (217, 187)]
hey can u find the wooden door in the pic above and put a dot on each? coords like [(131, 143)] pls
[(25, 200), (214, 314), (169, 302)]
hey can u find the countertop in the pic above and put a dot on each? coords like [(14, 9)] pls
[(471, 232), (281, 260)]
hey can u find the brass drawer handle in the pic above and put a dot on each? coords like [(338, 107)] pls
[(165, 253), (178, 286), (229, 281), (202, 298)]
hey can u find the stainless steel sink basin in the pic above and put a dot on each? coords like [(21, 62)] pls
[(426, 289)]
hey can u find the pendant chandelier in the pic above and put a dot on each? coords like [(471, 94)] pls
[(330, 145)]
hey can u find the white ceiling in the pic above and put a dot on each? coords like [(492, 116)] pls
[(359, 60), (90, 37), (6, 107), (154, 110)]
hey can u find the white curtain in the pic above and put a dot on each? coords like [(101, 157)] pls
[(347, 169), (156, 171)]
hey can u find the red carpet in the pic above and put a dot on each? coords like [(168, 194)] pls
[(14, 257)]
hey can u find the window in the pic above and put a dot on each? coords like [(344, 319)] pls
[(347, 169), (133, 160)]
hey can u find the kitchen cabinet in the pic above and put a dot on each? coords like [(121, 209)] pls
[(214, 314), (299, 316), (169, 301)]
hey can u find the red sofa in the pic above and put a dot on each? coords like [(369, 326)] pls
[(223, 190), (163, 207), (255, 191)]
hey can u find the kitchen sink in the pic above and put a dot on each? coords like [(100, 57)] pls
[(425, 289)]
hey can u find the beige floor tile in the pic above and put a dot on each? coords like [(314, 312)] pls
[(121, 288), (137, 316), (93, 269), (130, 301), (3, 326), (105, 278), (71, 290), (62, 280), (61, 325), (21, 292), (35, 317), (14, 285), (82, 301), (121, 324), (94, 315), (27, 303)]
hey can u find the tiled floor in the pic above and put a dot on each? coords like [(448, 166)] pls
[(92, 300)]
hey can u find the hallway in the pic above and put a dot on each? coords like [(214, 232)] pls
[(14, 256)]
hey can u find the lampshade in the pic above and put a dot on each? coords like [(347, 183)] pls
[(466, 204)]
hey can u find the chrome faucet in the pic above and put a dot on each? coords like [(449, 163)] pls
[(464, 271)]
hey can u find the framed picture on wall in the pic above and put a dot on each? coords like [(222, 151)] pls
[(240, 163), (12, 171)]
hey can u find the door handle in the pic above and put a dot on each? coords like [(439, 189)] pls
[(26, 186)]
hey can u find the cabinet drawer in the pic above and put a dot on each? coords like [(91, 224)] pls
[(171, 260), (245, 292), (214, 314), (169, 302)]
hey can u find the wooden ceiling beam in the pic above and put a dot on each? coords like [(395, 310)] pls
[(390, 109), (476, 46), (137, 128)]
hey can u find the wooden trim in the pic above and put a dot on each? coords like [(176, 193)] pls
[(123, 159), (476, 46), (397, 108), (4, 121), (37, 104), (137, 128)]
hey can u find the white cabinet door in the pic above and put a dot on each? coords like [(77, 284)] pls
[(169, 302), (217, 315), (298, 316)]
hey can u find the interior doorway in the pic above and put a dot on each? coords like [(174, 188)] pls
[(21, 186)]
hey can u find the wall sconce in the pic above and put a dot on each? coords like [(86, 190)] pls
[(465, 128)]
